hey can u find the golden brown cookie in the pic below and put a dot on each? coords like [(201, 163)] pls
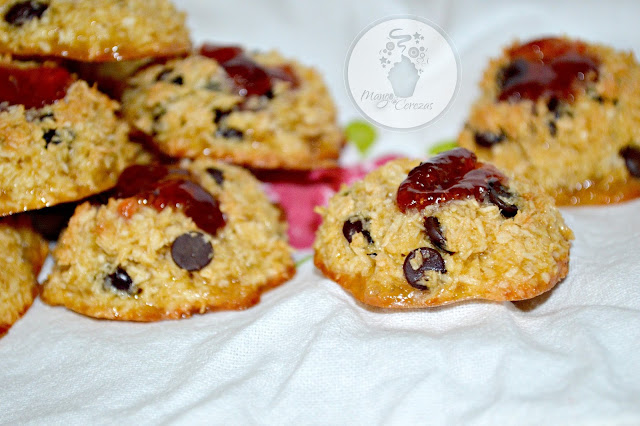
[(564, 114), (60, 140), (22, 254), (92, 30), (414, 235), (171, 242), (257, 110)]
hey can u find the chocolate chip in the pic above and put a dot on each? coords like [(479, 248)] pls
[(162, 75), (553, 129), (23, 12), (553, 104), (353, 226), (178, 80), (631, 157), (497, 194), (216, 174), (191, 251), (268, 94), (119, 280), (219, 115), (488, 139), (428, 260), (229, 133), (515, 69), (51, 136), (434, 232)]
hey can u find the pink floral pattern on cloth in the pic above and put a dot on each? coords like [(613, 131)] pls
[(300, 192)]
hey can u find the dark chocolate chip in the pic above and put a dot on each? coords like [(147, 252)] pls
[(516, 68), (178, 80), (191, 251), (162, 75), (434, 232), (353, 226), (269, 94), (216, 174), (51, 136), (228, 133), (119, 280), (553, 104), (631, 157), (23, 12), (497, 194), (488, 139), (219, 115), (431, 261), (553, 129)]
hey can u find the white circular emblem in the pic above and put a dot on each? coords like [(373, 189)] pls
[(402, 72)]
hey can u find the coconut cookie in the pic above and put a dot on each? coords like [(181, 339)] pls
[(22, 254), (414, 235), (564, 114), (169, 243), (92, 30), (60, 140), (257, 110)]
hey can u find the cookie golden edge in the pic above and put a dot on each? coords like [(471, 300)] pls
[(397, 294), (356, 286), (60, 290), (34, 252)]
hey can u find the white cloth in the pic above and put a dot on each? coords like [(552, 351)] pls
[(310, 354)]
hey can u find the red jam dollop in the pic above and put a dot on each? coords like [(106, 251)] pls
[(452, 175), (547, 68), (33, 87), (249, 77), (160, 186)]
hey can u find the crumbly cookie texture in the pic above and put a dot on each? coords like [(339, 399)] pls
[(65, 151), (92, 30), (23, 253), (190, 108), (117, 263), (484, 254), (581, 152)]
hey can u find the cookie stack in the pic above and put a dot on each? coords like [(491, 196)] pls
[(167, 226), (61, 139)]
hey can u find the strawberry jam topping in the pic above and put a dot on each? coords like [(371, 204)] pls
[(33, 87), (160, 186), (547, 68), (452, 175), (249, 77)]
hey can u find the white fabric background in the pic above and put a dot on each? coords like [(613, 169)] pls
[(310, 354)]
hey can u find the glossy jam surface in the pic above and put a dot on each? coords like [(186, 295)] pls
[(452, 175), (249, 77), (547, 68), (33, 87), (160, 186)]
